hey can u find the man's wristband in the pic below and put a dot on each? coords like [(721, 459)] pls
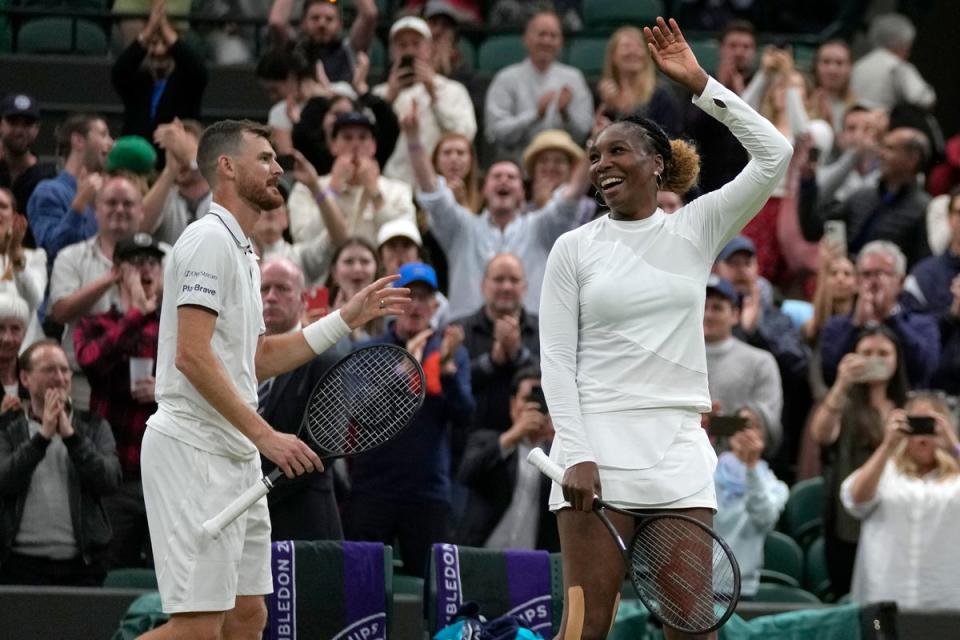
[(325, 332)]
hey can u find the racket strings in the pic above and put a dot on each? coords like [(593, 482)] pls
[(685, 577), (366, 401)]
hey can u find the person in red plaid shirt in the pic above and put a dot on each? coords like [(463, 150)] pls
[(110, 348)]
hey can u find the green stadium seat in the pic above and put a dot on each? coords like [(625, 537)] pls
[(782, 560), (612, 14), (802, 519), (816, 578), (707, 52), (782, 593), (803, 56), (131, 579), (498, 52), (378, 56), (53, 35), (587, 54), (5, 35), (468, 51)]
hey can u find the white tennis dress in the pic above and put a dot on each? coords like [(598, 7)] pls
[(621, 330)]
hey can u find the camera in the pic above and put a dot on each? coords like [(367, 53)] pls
[(536, 395)]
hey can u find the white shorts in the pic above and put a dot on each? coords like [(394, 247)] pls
[(182, 487), (674, 469)]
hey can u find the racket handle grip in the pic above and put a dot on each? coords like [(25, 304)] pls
[(232, 511), (538, 458)]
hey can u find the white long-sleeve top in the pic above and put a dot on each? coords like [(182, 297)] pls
[(621, 311), (451, 111), (908, 541)]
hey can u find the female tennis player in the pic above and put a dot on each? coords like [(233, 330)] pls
[(621, 331)]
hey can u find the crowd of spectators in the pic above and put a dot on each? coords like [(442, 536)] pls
[(829, 323)]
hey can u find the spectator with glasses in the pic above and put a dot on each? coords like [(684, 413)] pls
[(881, 267)]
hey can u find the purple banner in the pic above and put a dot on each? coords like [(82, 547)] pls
[(283, 601), (528, 580), (449, 590), (363, 599)]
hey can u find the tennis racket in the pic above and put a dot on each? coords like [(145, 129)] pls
[(363, 401), (683, 572)]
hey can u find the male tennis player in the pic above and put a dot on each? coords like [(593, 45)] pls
[(200, 448)]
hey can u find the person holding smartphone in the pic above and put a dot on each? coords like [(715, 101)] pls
[(906, 496), (848, 425), (507, 506), (621, 333)]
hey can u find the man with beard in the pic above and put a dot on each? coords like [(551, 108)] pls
[(321, 34), (84, 277), (158, 77), (60, 210), (201, 447), (20, 171), (108, 347)]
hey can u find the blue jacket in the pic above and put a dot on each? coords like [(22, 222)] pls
[(52, 219), (919, 343), (927, 289), (415, 466)]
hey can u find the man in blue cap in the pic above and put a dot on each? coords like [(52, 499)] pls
[(402, 490), (763, 325)]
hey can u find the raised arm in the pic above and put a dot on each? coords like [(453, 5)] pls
[(364, 25), (716, 217)]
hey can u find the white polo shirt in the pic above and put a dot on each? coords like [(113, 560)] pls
[(76, 266), (212, 265)]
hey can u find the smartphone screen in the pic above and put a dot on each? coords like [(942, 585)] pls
[(835, 231), (725, 426), (536, 395), (318, 299), (921, 425), (874, 370)]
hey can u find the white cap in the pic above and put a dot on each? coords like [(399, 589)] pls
[(401, 227), (411, 23)]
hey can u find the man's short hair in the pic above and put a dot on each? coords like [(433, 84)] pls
[(888, 249), (330, 3), (738, 26), (918, 143), (77, 123), (892, 31), (26, 358), (531, 372), (543, 12), (224, 138)]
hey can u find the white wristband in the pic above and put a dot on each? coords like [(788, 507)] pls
[(325, 332)]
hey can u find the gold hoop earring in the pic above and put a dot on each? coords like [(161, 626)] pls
[(656, 174)]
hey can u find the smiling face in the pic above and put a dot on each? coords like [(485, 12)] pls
[(12, 331), (832, 67), (630, 54), (622, 168), (543, 39), (17, 133), (119, 209), (95, 145), (503, 189), (416, 318), (257, 173)]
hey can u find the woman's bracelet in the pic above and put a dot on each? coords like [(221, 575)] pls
[(328, 192), (414, 146)]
